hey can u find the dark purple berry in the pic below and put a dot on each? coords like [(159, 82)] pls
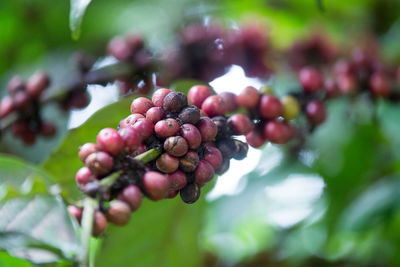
[(203, 173), (174, 102), (213, 156), (190, 193), (48, 129), (190, 114), (241, 150), (223, 167)]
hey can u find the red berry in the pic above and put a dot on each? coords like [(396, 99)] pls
[(119, 48), (174, 102), (166, 128), (203, 173), (191, 135), (177, 180), (100, 223), (189, 162), (19, 127), (110, 141), (255, 138), (214, 106), (130, 120), (208, 129), (132, 196), (346, 83), (197, 94), (316, 112), (37, 83), (131, 138), (230, 101), (86, 150), (6, 106), (331, 88), (311, 79), (270, 107), (242, 125), (278, 132), (167, 163), (144, 127), (248, 98), (343, 67), (156, 185), (28, 137), (213, 156), (75, 212), (155, 114), (159, 95), (48, 129), (176, 146), (118, 213), (100, 163), (379, 85), (141, 105), (84, 176)]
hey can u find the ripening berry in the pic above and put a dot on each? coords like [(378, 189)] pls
[(28, 137), (311, 79), (131, 195), (241, 124), (119, 48), (135, 42), (343, 66), (155, 184), (213, 156), (21, 99), (240, 149), (174, 102), (37, 83), (166, 128), (278, 132), (266, 90), (48, 129), (6, 106), (87, 149), (110, 141), (223, 167), (379, 84), (230, 101), (131, 139), (203, 173), (176, 146), (130, 120), (75, 212), (291, 107), (84, 176), (270, 107), (207, 128), (99, 224), (346, 83), (214, 106), (189, 162), (141, 105), (118, 213), (190, 193), (190, 114), (248, 98), (144, 127), (155, 114), (316, 112), (172, 194), (197, 94), (78, 100), (167, 163), (191, 135), (159, 95), (177, 180), (100, 163), (15, 84), (331, 88), (255, 138)]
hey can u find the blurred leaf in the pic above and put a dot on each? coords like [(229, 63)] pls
[(6, 260), (184, 85), (76, 13)]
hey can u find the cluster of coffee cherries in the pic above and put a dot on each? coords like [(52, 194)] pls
[(23, 99)]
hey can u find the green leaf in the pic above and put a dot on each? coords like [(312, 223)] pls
[(6, 260), (77, 10)]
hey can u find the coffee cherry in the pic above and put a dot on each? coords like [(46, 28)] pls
[(316, 112), (266, 90), (214, 106), (255, 138), (130, 138), (155, 184), (241, 149), (130, 120), (230, 101), (190, 114), (278, 132), (346, 83), (75, 212), (190, 193), (189, 162), (48, 129), (119, 48), (110, 141), (37, 83), (6, 106), (226, 147), (248, 98), (118, 213), (379, 85), (100, 223), (174, 102), (223, 167), (144, 127), (291, 107), (177, 180), (28, 137), (141, 105), (19, 127), (15, 84), (166, 128), (159, 95), (207, 128), (86, 150), (132, 196), (100, 163), (310, 79), (21, 99), (84, 176), (155, 114), (213, 156), (331, 89), (241, 124), (203, 173), (197, 94), (167, 163), (270, 107), (343, 66), (140, 150), (191, 135), (176, 146)]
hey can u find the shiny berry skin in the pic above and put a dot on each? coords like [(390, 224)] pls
[(203, 173), (131, 195), (207, 128), (156, 185), (131, 139), (37, 83), (311, 79), (15, 84), (84, 176), (119, 48), (255, 138), (6, 106), (174, 102), (177, 180), (48, 129), (87, 149), (190, 193), (176, 146), (197, 94), (75, 212), (130, 120), (270, 107), (141, 105), (241, 124), (278, 132), (190, 114), (290, 107), (110, 141), (316, 112), (213, 156), (118, 213), (379, 85), (166, 128), (159, 95), (214, 106), (191, 135), (167, 163), (248, 98), (240, 149), (230, 101), (226, 147), (223, 128), (99, 224), (21, 99), (100, 163), (144, 127), (155, 114), (189, 162)]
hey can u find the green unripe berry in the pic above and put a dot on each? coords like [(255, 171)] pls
[(291, 107)]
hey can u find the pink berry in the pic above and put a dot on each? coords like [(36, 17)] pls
[(311, 79), (141, 105), (155, 184), (248, 98), (119, 48), (242, 125), (177, 180), (100, 223), (346, 83), (379, 85), (110, 141), (84, 176), (21, 99), (213, 156), (155, 114), (131, 138), (203, 173), (130, 120), (6, 106), (37, 83), (230, 101), (191, 135), (132, 196), (86, 150), (75, 212), (118, 213), (270, 107), (208, 129), (15, 84), (100, 163), (197, 94), (144, 127), (316, 112), (159, 95), (214, 106), (166, 128)]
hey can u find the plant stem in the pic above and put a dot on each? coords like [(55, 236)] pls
[(148, 155)]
